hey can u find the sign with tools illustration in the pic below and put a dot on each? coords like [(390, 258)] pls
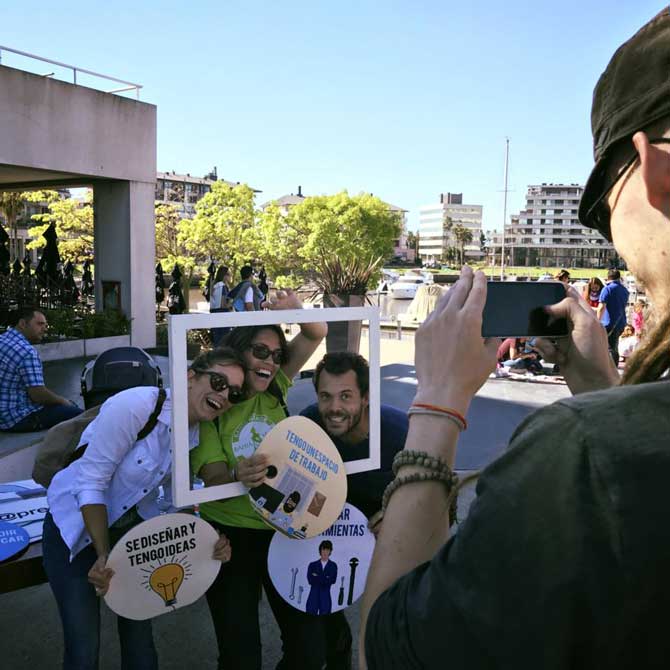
[(327, 573), (161, 565), (306, 484)]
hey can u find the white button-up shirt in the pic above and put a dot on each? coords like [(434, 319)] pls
[(117, 470)]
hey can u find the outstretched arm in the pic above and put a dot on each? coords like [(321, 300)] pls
[(452, 361), (305, 343)]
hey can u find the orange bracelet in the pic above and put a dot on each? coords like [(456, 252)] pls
[(443, 410)]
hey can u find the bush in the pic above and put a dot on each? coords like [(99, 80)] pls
[(69, 324)]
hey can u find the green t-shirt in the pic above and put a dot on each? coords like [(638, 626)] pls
[(241, 430)]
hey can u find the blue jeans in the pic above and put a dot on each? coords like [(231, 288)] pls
[(79, 609), (45, 418)]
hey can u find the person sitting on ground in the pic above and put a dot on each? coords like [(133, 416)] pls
[(563, 276), (114, 486), (341, 382), (515, 354), (26, 404), (611, 311), (562, 562)]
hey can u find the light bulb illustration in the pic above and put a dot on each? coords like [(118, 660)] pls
[(166, 580)]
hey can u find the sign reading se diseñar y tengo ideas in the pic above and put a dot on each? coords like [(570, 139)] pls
[(161, 565)]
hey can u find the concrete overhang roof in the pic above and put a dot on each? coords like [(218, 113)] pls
[(19, 178)]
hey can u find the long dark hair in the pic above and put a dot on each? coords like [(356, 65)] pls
[(240, 340)]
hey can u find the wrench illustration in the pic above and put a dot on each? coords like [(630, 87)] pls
[(294, 574)]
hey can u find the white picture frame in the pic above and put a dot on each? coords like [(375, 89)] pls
[(179, 325)]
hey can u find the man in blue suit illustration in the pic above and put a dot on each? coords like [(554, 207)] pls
[(321, 575)]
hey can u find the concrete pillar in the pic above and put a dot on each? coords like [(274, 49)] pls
[(125, 252)]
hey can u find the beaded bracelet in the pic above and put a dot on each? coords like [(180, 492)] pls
[(448, 479), (431, 412), (447, 411), (421, 459)]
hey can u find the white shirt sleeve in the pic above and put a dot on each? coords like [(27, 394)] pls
[(111, 436), (249, 295)]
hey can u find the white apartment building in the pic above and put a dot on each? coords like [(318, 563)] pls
[(434, 236), (547, 233)]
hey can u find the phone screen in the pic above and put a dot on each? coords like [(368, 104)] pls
[(515, 309)]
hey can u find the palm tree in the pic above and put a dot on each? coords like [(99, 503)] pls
[(463, 236), (11, 205)]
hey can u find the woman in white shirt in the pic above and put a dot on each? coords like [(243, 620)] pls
[(112, 487)]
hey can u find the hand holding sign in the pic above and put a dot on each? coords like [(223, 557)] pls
[(251, 471), (162, 564), (100, 576), (305, 484)]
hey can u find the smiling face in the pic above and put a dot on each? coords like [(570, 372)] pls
[(261, 372), (342, 408), (205, 404)]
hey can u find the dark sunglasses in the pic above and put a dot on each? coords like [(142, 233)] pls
[(219, 382), (599, 213), (261, 352)]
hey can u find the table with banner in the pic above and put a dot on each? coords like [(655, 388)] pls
[(23, 505)]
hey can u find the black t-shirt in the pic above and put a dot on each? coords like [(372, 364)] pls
[(564, 560), (365, 489)]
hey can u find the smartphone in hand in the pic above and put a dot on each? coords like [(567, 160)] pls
[(516, 309)]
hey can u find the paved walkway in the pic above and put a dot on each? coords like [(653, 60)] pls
[(29, 619)]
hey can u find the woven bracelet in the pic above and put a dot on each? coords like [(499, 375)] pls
[(448, 479), (421, 459), (446, 411), (432, 412)]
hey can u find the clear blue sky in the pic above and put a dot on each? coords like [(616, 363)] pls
[(401, 99)]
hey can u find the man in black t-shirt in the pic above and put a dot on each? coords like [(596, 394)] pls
[(341, 381)]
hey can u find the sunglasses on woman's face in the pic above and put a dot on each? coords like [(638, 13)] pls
[(219, 382), (261, 352)]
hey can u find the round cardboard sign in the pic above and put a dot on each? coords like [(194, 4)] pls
[(13, 539), (311, 584), (161, 565), (306, 485)]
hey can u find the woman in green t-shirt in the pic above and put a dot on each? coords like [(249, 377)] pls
[(226, 454)]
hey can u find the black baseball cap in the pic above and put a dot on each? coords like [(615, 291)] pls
[(632, 92)]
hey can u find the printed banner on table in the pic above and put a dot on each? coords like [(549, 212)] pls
[(326, 573), (306, 485), (24, 503), (13, 539), (161, 565)]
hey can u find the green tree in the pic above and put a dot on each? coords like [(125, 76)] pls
[(462, 236), (12, 205), (74, 224), (223, 227), (351, 228), (280, 241)]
